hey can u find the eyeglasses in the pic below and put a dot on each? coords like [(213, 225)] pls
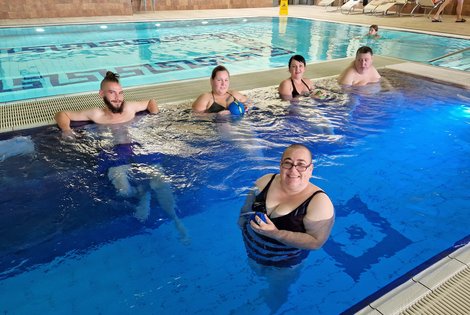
[(300, 167)]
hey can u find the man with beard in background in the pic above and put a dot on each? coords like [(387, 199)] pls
[(116, 111), (118, 160)]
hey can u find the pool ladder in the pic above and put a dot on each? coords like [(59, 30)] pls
[(449, 54)]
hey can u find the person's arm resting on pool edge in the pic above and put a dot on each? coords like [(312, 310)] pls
[(318, 223), (64, 118), (139, 106)]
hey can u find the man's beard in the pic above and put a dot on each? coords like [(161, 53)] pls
[(110, 106)]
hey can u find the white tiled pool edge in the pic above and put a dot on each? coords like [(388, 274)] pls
[(424, 283)]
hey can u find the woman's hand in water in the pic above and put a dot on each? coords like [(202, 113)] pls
[(69, 135), (265, 228), (318, 94), (224, 112)]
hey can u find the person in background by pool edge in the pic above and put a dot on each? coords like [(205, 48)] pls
[(220, 97), (459, 18), (118, 165), (373, 31), (294, 215), (361, 71), (296, 85)]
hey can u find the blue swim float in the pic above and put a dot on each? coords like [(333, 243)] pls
[(236, 108), (261, 215)]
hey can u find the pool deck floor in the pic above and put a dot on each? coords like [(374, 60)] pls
[(445, 283)]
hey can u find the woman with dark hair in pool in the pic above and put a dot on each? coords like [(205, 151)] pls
[(296, 84), (220, 97)]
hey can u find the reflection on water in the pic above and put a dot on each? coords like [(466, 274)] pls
[(393, 163), (109, 173)]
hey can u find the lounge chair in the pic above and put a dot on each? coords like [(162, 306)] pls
[(350, 6), (326, 3), (371, 6), (426, 5), (383, 8)]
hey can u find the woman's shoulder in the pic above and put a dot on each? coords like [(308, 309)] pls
[(285, 87), (285, 81), (321, 205), (235, 92), (238, 95), (264, 180), (308, 81), (202, 101), (205, 95)]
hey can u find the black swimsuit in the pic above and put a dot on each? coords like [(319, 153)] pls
[(216, 107), (294, 90), (268, 251)]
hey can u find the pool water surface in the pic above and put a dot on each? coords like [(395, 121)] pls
[(395, 165), (46, 61)]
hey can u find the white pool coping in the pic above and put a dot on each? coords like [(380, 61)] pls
[(430, 280)]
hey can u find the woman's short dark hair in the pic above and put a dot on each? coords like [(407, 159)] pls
[(218, 69), (298, 58)]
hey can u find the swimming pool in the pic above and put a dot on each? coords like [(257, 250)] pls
[(52, 60), (395, 166)]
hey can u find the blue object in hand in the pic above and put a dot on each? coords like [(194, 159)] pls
[(236, 108), (260, 215)]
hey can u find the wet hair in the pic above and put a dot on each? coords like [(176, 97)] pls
[(298, 58), (218, 69), (375, 27), (364, 50), (297, 146), (109, 77)]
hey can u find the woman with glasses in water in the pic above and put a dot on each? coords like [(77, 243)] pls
[(285, 215)]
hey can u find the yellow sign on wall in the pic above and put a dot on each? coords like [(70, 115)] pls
[(283, 8)]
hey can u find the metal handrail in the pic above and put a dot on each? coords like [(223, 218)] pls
[(449, 54)]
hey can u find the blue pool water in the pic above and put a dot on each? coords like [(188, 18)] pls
[(395, 165), (52, 60)]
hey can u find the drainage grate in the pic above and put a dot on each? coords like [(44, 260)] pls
[(30, 114), (451, 297), (36, 113)]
